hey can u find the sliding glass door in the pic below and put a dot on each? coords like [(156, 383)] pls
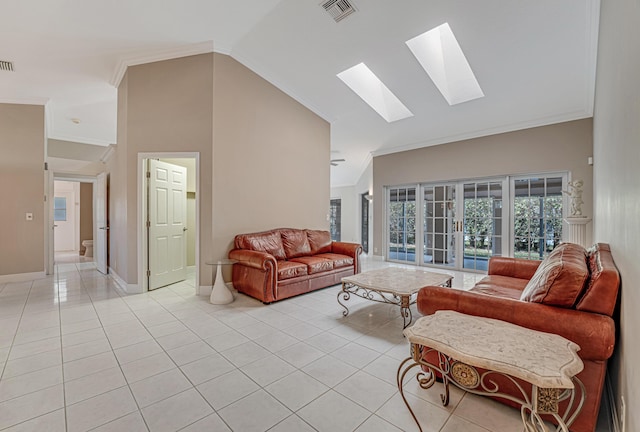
[(482, 223), (438, 225), (537, 215), (402, 224), (461, 225)]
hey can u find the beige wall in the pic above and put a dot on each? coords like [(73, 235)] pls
[(271, 158), (263, 156), (617, 183), (168, 108), (86, 214), (559, 147), (22, 175)]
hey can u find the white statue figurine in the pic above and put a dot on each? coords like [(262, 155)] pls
[(575, 193)]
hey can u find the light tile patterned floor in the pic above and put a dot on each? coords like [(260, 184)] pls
[(77, 355)]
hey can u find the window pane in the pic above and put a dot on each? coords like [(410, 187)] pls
[(59, 209), (537, 211)]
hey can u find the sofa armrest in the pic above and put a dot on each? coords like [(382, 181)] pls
[(344, 248), (594, 333), (513, 267), (349, 249), (255, 259)]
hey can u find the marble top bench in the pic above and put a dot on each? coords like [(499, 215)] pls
[(466, 342)]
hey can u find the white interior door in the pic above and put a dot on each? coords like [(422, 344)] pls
[(167, 212), (102, 231)]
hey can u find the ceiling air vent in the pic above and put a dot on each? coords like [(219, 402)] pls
[(338, 9), (6, 66)]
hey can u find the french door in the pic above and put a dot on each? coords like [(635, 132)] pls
[(455, 225), (461, 225)]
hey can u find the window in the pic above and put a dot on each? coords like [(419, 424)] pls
[(364, 221), (402, 224), (537, 216), (482, 223), (334, 219), (463, 224), (59, 209)]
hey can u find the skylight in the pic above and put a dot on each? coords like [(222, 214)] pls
[(442, 58), (373, 91)]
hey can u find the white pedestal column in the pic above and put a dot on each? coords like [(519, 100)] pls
[(220, 293), (577, 230)]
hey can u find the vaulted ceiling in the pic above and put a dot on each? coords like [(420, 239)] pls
[(534, 60)]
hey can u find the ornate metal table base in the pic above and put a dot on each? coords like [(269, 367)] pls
[(539, 401), (403, 300)]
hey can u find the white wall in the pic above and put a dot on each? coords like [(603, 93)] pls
[(616, 136), (351, 208)]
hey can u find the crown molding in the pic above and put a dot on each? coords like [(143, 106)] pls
[(25, 101), (111, 149), (80, 140), (158, 55)]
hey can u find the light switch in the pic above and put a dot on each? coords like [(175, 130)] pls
[(29, 216)]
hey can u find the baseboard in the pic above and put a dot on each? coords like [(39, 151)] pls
[(124, 286), (22, 277), (614, 423), (204, 290)]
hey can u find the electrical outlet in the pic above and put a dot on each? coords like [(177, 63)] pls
[(623, 413), (29, 216), (375, 250)]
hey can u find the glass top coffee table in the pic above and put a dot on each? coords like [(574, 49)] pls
[(392, 285)]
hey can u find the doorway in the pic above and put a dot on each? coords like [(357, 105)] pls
[(72, 219), (168, 228)]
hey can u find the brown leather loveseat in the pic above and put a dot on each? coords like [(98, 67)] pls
[(281, 263), (572, 293)]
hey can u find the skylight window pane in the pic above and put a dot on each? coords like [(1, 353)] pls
[(373, 91), (442, 58)]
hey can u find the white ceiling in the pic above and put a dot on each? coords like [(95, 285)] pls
[(535, 62)]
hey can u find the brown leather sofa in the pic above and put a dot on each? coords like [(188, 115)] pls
[(281, 263), (573, 293)]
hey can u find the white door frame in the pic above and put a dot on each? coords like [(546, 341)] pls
[(51, 179), (143, 281)]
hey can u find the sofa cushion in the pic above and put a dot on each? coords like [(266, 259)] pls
[(315, 264), (601, 291), (295, 243), (290, 269), (320, 241), (268, 241), (338, 260), (560, 278), (500, 286)]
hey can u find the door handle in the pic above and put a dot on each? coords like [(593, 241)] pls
[(104, 228), (184, 229)]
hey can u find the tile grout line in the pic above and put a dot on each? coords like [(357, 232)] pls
[(82, 282)]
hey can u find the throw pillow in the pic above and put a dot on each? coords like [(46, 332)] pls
[(560, 278)]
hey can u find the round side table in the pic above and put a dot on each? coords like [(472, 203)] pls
[(220, 293)]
